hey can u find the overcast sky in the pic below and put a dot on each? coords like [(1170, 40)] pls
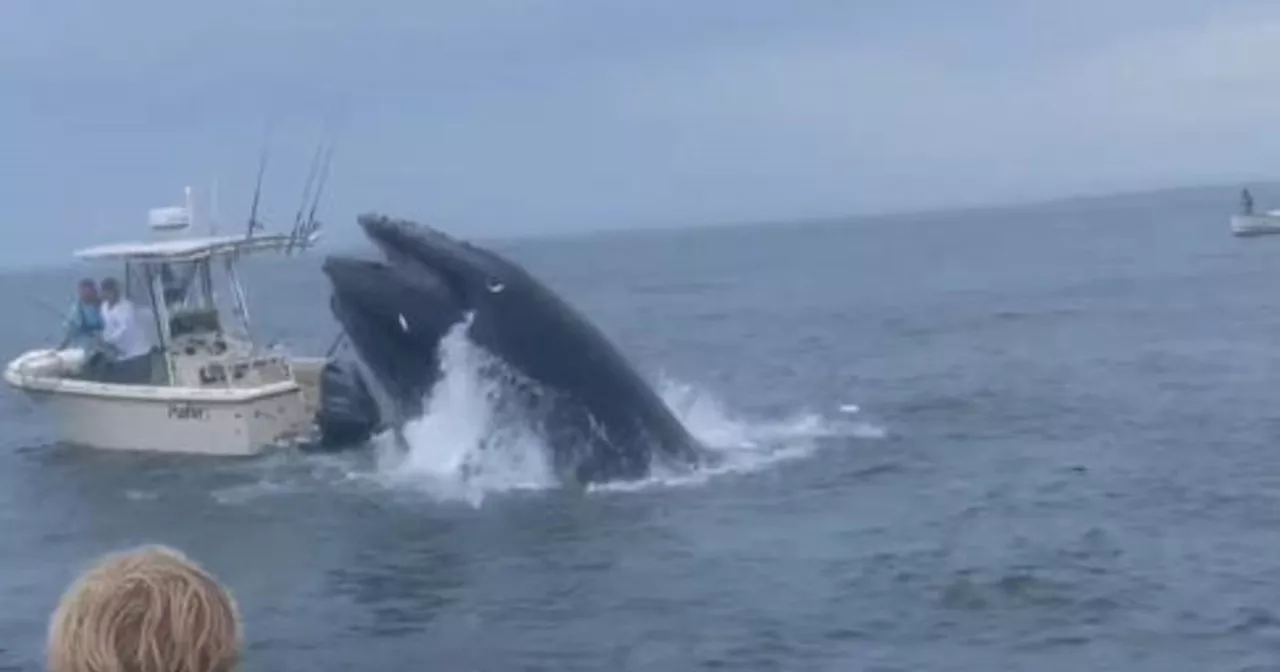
[(494, 117)]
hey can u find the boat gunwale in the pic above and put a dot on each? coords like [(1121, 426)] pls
[(55, 385)]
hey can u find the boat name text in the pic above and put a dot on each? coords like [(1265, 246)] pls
[(187, 412)]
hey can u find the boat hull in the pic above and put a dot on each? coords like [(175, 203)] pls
[(1255, 225), (222, 422)]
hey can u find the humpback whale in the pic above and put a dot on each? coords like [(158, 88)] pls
[(600, 419)]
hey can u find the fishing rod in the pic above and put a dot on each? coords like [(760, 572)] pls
[(300, 235), (335, 118), (324, 177), (313, 226), (303, 230), (254, 224), (48, 307), (306, 189)]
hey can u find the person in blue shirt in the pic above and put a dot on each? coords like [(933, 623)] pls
[(84, 320)]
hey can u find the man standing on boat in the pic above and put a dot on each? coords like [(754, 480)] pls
[(84, 323), (125, 335)]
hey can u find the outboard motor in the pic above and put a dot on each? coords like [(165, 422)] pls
[(348, 414)]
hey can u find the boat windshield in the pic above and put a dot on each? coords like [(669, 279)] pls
[(190, 301), (178, 282)]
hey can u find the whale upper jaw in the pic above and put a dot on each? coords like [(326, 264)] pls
[(469, 271), (403, 241)]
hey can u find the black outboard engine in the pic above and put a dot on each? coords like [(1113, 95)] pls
[(348, 414)]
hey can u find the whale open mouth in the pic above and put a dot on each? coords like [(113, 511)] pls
[(396, 309), (397, 287), (601, 419)]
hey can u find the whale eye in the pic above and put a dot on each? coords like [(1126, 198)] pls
[(496, 286)]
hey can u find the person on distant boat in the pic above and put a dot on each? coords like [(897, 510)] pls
[(84, 322), (1246, 202), (126, 337)]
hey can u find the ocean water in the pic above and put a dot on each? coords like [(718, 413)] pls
[(1032, 439)]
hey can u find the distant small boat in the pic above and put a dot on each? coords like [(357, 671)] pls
[(1246, 223), (1256, 225)]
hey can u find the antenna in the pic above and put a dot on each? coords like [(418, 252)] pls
[(191, 211), (213, 208)]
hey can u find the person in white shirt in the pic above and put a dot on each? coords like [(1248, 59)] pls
[(121, 331)]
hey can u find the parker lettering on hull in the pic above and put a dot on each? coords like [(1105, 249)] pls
[(187, 412)]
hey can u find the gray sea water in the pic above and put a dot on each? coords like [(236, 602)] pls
[(1036, 439)]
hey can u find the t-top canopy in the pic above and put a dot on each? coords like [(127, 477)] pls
[(193, 249)]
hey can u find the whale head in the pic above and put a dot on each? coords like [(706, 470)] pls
[(394, 315), (601, 417), (396, 311), (476, 277)]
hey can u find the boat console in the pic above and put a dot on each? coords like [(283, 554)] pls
[(216, 360)]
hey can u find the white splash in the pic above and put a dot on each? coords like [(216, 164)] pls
[(463, 447), (467, 445), (742, 445)]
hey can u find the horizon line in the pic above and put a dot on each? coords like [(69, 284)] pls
[(1070, 198)]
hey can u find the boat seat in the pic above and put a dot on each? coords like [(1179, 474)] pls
[(146, 369)]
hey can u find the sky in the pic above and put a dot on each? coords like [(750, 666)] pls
[(521, 117)]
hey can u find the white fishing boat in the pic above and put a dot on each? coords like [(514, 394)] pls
[(212, 388), (1247, 223), (1255, 225)]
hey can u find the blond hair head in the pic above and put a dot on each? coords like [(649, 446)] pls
[(150, 609)]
